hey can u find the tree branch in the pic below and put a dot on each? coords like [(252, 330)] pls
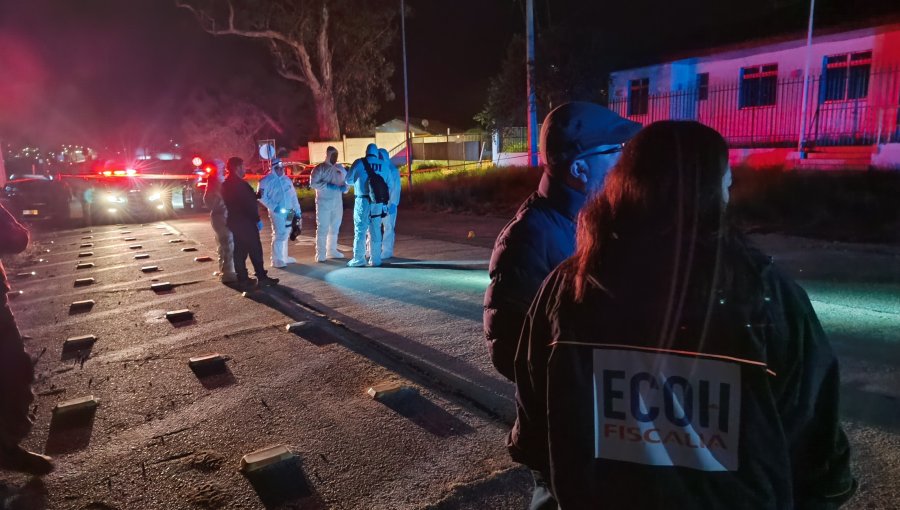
[(325, 50)]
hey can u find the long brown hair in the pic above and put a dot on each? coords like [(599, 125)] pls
[(668, 184)]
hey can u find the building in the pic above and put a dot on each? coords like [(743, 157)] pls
[(753, 95)]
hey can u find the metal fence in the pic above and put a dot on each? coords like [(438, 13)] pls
[(842, 109)]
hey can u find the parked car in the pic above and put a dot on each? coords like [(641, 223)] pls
[(37, 198), (127, 199), (299, 173)]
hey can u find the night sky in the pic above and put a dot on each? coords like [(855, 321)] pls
[(97, 71)]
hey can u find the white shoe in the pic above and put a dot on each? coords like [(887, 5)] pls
[(336, 255), (290, 260), (375, 264), (279, 264), (320, 259), (356, 263)]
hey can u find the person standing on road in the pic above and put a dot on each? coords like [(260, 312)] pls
[(580, 142), (16, 368), (244, 223), (390, 221), (329, 179), (669, 363), (369, 176), (277, 194), (218, 217)]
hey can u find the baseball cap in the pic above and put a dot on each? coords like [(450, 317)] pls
[(572, 128)]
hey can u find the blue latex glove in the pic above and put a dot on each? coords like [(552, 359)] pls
[(392, 209), (259, 225)]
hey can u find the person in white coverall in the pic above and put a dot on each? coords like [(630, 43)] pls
[(329, 179), (390, 221), (367, 211), (276, 193)]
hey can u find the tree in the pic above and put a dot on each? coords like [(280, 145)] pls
[(567, 70), (220, 125), (335, 49)]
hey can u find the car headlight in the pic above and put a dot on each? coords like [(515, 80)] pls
[(153, 197), (114, 199)]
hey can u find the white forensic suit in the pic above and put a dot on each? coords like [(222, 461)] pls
[(330, 182), (367, 213), (390, 221), (276, 193)]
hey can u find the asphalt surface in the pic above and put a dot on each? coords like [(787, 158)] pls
[(419, 317), (164, 436)]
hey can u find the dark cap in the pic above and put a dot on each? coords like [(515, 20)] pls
[(573, 128)]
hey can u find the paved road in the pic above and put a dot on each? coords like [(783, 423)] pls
[(163, 437), (423, 311)]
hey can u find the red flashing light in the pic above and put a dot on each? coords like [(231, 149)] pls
[(197, 161)]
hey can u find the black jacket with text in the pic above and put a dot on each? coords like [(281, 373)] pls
[(721, 394)]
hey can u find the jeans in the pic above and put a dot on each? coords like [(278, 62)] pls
[(246, 243)]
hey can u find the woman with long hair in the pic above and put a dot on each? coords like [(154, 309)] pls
[(668, 363), (218, 217)]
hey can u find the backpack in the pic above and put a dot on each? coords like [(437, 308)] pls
[(377, 185)]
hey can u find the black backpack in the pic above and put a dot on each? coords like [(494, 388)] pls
[(377, 186)]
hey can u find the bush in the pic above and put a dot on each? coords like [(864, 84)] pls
[(849, 206)]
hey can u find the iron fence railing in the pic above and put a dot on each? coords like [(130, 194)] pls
[(842, 109)]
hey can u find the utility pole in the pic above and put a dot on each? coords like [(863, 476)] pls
[(406, 95), (804, 106), (532, 100)]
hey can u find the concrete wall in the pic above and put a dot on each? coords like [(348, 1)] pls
[(502, 159), (317, 151)]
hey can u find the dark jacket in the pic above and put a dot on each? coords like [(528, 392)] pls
[(619, 414), (538, 239), (13, 239), (240, 200)]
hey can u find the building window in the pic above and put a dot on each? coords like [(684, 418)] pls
[(638, 96), (702, 86), (759, 85), (846, 76)]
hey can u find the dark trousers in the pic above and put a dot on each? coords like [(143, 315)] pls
[(246, 243), (16, 374)]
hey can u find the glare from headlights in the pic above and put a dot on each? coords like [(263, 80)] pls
[(114, 199), (153, 197)]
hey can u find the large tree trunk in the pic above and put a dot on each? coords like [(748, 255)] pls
[(326, 116)]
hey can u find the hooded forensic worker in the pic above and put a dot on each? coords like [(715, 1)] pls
[(329, 179), (277, 194), (390, 221), (369, 177)]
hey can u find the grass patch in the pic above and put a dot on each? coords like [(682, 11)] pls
[(846, 206)]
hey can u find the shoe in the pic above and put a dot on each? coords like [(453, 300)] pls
[(267, 281), (356, 263), (279, 264), (336, 255), (320, 259), (290, 260), (23, 461), (373, 263), (387, 256), (245, 283), (229, 278)]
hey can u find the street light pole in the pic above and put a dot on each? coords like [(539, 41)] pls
[(803, 106), (406, 95), (532, 100)]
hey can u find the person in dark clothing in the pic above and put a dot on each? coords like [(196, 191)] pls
[(16, 368), (580, 142), (245, 225), (669, 363)]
